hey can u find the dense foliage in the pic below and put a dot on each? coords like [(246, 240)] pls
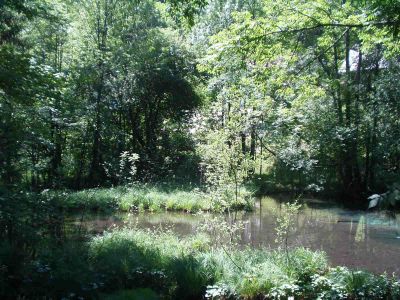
[(302, 93), (311, 84), (84, 82)]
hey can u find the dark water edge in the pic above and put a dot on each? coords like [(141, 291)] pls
[(354, 238)]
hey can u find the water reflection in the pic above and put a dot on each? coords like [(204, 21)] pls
[(360, 231), (353, 238)]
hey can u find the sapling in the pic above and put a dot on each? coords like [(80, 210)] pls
[(127, 166), (286, 224)]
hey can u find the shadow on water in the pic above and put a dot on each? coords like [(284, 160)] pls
[(357, 239)]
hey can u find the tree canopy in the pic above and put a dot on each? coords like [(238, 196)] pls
[(302, 94)]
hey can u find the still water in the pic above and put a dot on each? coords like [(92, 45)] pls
[(368, 241)]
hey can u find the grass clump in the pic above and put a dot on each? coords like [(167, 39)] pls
[(161, 261), (95, 199), (156, 199), (252, 273)]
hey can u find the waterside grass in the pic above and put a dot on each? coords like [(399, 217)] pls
[(128, 262), (148, 197), (195, 270)]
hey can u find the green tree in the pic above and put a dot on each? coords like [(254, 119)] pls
[(315, 64)]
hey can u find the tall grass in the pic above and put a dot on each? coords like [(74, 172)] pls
[(161, 261), (191, 269), (145, 197), (133, 263)]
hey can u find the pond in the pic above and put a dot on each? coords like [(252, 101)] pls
[(358, 239)]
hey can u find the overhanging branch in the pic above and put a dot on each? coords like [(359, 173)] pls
[(323, 25)]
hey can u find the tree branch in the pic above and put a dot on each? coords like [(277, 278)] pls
[(323, 25)]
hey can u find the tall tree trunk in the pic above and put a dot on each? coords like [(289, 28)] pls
[(56, 130), (351, 172), (96, 172), (243, 141)]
